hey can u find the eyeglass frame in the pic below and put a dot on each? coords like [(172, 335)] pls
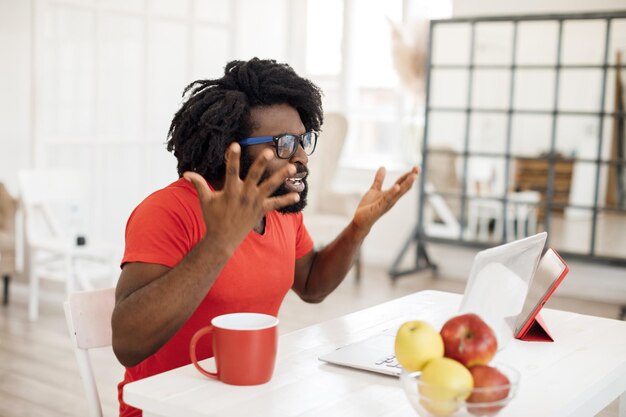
[(266, 139)]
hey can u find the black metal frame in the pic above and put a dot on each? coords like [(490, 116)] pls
[(418, 235)]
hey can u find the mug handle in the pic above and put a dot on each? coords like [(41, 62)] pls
[(192, 351)]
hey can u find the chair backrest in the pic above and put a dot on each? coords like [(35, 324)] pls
[(332, 139), (88, 315), (324, 162), (51, 201), (8, 207)]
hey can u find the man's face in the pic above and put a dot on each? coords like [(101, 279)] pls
[(272, 121)]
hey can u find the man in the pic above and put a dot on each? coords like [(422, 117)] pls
[(228, 236)]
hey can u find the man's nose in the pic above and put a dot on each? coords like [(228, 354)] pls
[(299, 156)]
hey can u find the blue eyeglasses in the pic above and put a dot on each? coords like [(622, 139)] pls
[(287, 143)]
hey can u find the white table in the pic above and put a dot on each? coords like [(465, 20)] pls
[(578, 375)]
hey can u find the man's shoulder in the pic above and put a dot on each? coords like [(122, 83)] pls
[(180, 190), (179, 195)]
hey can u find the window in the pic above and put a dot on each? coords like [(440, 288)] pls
[(110, 75), (349, 55)]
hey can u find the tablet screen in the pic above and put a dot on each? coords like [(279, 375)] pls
[(499, 282), (550, 268)]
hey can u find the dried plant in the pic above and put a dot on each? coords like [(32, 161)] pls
[(409, 45)]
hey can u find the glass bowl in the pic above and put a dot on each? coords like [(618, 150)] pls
[(416, 391)]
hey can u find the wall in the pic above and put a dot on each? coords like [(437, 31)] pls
[(260, 32), (15, 89), (109, 77), (139, 165), (128, 168)]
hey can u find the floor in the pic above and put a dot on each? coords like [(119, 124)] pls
[(39, 375)]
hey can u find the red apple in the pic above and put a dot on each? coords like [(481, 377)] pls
[(490, 385), (469, 340)]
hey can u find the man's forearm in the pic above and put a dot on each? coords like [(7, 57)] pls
[(165, 303), (333, 262)]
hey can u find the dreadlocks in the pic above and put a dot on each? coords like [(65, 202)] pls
[(217, 112)]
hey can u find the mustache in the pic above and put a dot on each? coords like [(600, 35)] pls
[(300, 168)]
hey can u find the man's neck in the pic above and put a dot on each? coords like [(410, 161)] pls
[(260, 227)]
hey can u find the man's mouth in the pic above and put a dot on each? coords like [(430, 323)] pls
[(296, 183)]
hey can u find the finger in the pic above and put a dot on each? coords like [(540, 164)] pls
[(233, 156), (199, 183), (397, 191), (258, 167), (275, 203), (403, 178), (407, 182), (379, 179), (413, 172), (388, 199), (276, 179)]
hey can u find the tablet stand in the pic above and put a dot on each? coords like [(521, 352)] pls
[(536, 332)]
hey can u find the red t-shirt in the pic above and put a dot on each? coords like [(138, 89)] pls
[(167, 225)]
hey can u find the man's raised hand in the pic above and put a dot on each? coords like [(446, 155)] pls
[(377, 202), (230, 213)]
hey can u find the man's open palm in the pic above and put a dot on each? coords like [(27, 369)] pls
[(377, 201)]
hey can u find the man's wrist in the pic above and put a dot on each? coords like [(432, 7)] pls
[(358, 232), (217, 247)]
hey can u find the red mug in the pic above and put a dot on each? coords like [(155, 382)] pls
[(244, 347)]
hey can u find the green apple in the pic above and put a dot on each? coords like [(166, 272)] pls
[(417, 342), (444, 384)]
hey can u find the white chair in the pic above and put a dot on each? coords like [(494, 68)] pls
[(88, 315), (480, 213), (521, 216), (484, 180), (329, 211), (8, 207), (441, 214), (51, 203)]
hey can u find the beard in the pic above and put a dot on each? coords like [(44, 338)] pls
[(246, 162)]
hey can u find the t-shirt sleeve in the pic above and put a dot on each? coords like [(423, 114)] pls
[(156, 233), (304, 243)]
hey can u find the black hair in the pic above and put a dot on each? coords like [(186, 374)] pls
[(216, 112)]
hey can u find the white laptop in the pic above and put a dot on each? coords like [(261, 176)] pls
[(496, 290)]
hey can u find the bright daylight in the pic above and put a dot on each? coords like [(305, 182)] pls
[(298, 208)]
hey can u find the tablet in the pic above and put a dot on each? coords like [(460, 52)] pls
[(498, 284), (550, 272)]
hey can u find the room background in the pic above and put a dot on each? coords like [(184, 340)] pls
[(92, 85)]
